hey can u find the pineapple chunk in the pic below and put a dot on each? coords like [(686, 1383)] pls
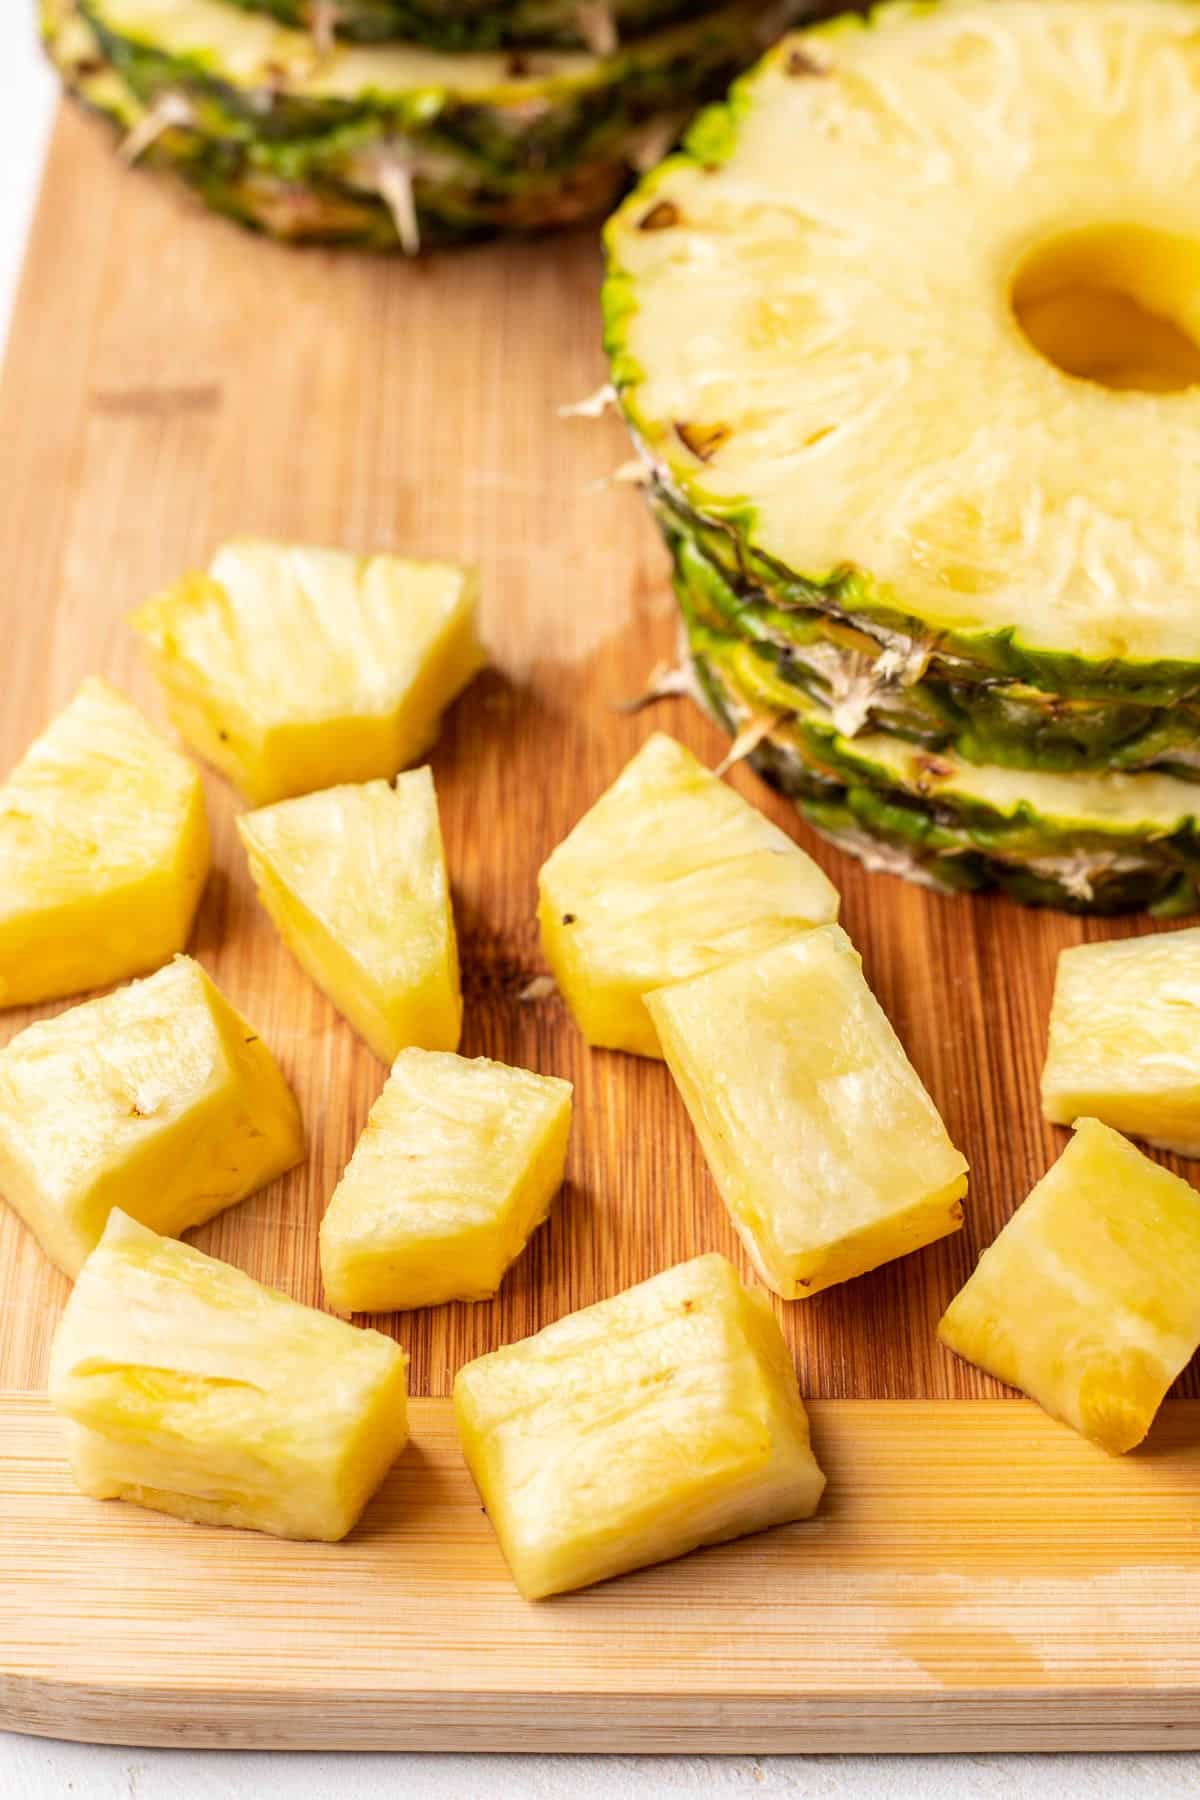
[(158, 1098), (1089, 1300), (292, 669), (637, 1430), (355, 880), (669, 875), (191, 1389), (1125, 1039), (103, 852), (455, 1171), (827, 1150)]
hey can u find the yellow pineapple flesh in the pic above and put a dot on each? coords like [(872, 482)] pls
[(456, 1169), (159, 1099), (355, 880), (1125, 1039), (292, 669), (191, 1389), (638, 1429), (104, 852), (1089, 1299), (827, 1150), (671, 873)]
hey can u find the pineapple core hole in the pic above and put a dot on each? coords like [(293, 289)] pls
[(1116, 304)]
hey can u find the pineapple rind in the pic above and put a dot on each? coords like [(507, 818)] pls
[(669, 874), (104, 852), (793, 1078), (456, 1169), (1124, 1040), (194, 1390), (355, 880), (292, 669), (1089, 1299), (158, 1099), (539, 23), (637, 1430)]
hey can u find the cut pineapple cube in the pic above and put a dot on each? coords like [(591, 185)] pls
[(191, 1389), (827, 1150), (637, 1430), (158, 1098), (669, 875), (103, 852), (455, 1171), (292, 669), (355, 880), (1089, 1300), (1125, 1039)]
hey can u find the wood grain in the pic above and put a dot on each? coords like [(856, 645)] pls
[(936, 1602)]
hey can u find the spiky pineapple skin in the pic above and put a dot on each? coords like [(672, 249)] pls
[(1124, 1039), (191, 1389), (104, 852), (457, 1167), (637, 1430), (668, 874), (826, 1148), (354, 879), (1089, 1299), (158, 1099), (474, 24)]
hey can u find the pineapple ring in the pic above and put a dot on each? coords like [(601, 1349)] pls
[(834, 322)]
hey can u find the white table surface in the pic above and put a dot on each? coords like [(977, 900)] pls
[(31, 1769)]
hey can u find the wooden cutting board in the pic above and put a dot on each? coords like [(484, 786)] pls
[(978, 1576)]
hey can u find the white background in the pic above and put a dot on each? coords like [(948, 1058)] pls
[(34, 1770)]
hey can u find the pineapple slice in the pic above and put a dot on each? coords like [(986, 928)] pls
[(669, 875), (827, 1150), (1089, 1300), (292, 669), (637, 1430), (191, 1389), (158, 1098), (1125, 1039), (455, 1171), (355, 880), (103, 852)]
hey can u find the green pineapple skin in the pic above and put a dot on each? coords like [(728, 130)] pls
[(726, 528), (955, 848), (474, 24), (984, 721)]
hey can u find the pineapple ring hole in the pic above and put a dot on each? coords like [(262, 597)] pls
[(1118, 305)]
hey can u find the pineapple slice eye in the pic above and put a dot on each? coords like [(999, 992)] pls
[(355, 880), (456, 1169), (638, 1429), (669, 874), (159, 1099), (104, 852), (291, 669), (827, 1150), (1089, 1299), (189, 1388), (1125, 1038)]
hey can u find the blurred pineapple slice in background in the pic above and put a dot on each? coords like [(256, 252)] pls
[(158, 1098), (191, 1389), (1125, 1038), (827, 1150), (103, 852), (1089, 1299), (638, 1429), (355, 880), (456, 1169), (670, 874), (292, 669)]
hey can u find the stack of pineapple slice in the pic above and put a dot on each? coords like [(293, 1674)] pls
[(908, 337), (402, 122)]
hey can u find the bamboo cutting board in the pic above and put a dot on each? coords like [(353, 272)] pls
[(978, 1576)]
